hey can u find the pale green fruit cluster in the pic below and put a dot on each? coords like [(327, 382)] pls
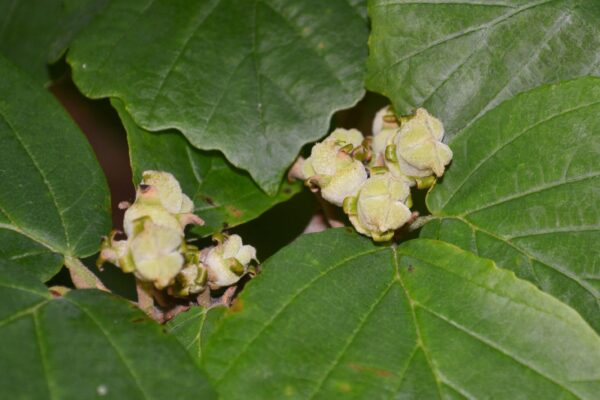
[(155, 249), (372, 179), (228, 261), (332, 167), (414, 151), (380, 206)]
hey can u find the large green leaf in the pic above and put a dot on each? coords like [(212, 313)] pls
[(459, 59), (193, 327), (224, 196), (524, 189), (33, 33), (54, 200), (335, 316), (84, 345), (254, 79)]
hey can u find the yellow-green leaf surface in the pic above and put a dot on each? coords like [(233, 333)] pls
[(54, 200), (34, 33), (459, 59), (193, 327), (524, 189), (254, 79), (335, 316), (224, 196), (87, 344)]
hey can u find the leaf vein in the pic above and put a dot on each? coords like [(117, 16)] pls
[(285, 305), (466, 32), (495, 346), (44, 179), (114, 346), (510, 141), (43, 354), (420, 342), (534, 190), (551, 34), (177, 57), (351, 338)]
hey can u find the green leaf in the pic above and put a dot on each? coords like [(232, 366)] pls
[(459, 59), (223, 195), (193, 327), (524, 189), (253, 79), (86, 344), (33, 34), (54, 200), (335, 316)]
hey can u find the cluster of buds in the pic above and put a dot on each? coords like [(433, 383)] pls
[(155, 249), (371, 177)]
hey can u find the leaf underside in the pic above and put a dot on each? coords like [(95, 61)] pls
[(254, 79), (426, 320)]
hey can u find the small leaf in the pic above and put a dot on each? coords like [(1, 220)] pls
[(34, 34), (524, 189), (253, 79), (335, 316), (193, 327), (223, 195), (459, 59), (54, 200), (86, 344)]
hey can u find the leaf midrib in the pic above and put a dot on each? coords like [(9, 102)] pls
[(456, 35), (533, 190), (116, 348), (486, 341), (361, 324), (33, 312), (285, 305), (531, 257), (420, 343)]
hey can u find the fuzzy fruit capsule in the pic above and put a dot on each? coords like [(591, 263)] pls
[(418, 148), (380, 207), (332, 168), (228, 261)]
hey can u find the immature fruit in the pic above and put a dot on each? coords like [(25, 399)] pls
[(344, 137), (416, 150), (155, 252), (384, 119), (156, 213), (228, 261), (191, 279), (154, 225), (345, 182), (167, 191), (380, 206), (322, 154), (379, 145), (332, 168)]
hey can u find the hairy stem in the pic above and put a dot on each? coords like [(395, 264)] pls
[(81, 276)]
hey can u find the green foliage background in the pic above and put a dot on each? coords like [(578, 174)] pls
[(497, 296)]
